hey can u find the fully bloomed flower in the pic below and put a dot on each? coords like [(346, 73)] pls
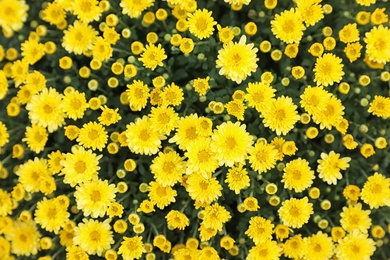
[(378, 44), (288, 26), (237, 60)]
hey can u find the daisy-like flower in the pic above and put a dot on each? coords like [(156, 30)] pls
[(354, 217), (32, 51), (131, 248), (54, 161), (35, 81), (352, 51), (236, 108), (79, 37), (36, 138), (237, 60), (163, 119), (313, 99), (172, 95), (201, 158), (138, 94), (80, 166), (288, 26), (318, 246), (295, 212), (4, 136), (263, 157), (331, 115), (376, 191), (93, 236), (161, 196), (51, 214), (3, 85), (201, 23), (380, 106), (349, 33), (86, 10), (13, 14), (186, 133), (177, 219), (355, 245), (19, 71), (203, 190), (142, 139), (365, 2), (24, 237), (237, 178), (153, 56), (281, 115), (268, 249), (32, 173), (231, 142), (201, 85), (93, 135), (328, 70), (259, 95), (311, 12), (109, 116), (75, 252), (329, 167), (260, 229), (74, 104), (6, 203), (134, 8), (378, 44), (94, 197), (168, 168), (215, 216), (45, 109), (298, 175), (54, 13), (294, 247), (101, 49)]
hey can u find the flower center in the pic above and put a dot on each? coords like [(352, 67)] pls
[(94, 235), (95, 196), (80, 167), (231, 142), (93, 134), (144, 135), (48, 109)]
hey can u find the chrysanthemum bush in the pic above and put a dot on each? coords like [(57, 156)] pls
[(183, 129)]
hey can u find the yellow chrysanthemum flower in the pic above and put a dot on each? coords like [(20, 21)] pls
[(354, 217), (378, 44), (263, 157), (215, 216), (231, 142), (138, 94), (86, 10), (134, 8), (168, 168), (295, 212), (141, 139), (79, 37), (328, 70), (4, 136), (237, 178), (260, 229), (380, 106), (131, 247), (45, 109), (33, 173), (202, 189), (13, 14), (237, 60), (281, 115), (32, 51), (294, 247), (93, 135), (177, 220), (349, 33), (163, 119), (201, 158), (79, 166), (51, 215), (298, 175), (6, 203), (311, 11), (172, 95), (74, 104), (109, 116), (201, 23), (94, 197), (3, 85), (36, 138), (268, 249), (355, 245), (93, 236), (24, 237), (376, 191), (54, 13), (331, 115), (288, 26), (318, 246), (161, 196), (329, 167), (153, 56)]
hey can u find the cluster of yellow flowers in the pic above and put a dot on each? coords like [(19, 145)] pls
[(194, 129)]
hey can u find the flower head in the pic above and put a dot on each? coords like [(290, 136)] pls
[(328, 70), (237, 60), (329, 167), (201, 23), (295, 212), (288, 26), (378, 44), (153, 56)]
